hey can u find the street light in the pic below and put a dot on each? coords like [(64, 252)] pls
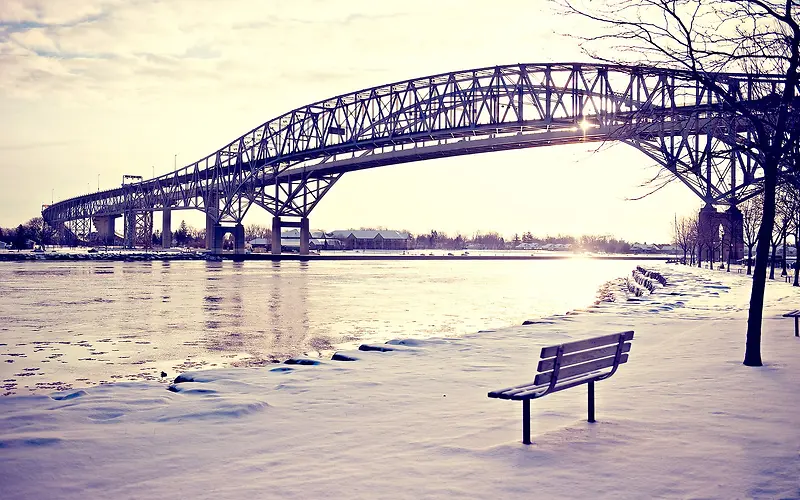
[(98, 183), (175, 162)]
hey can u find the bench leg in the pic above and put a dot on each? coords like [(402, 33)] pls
[(796, 333), (591, 401), (526, 421)]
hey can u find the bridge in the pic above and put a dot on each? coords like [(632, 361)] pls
[(289, 163)]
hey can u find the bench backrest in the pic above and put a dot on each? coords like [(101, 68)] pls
[(584, 356)]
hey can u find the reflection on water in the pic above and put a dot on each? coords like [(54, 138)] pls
[(80, 323)]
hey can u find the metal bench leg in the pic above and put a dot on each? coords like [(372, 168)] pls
[(591, 401), (796, 333), (526, 421)]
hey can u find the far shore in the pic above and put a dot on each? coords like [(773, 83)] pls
[(167, 255)]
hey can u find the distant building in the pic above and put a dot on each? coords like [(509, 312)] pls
[(4, 245), (372, 240), (644, 248)]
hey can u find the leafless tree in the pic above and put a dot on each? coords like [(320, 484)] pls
[(684, 236), (751, 221), (704, 38)]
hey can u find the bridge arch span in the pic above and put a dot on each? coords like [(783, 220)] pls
[(287, 164)]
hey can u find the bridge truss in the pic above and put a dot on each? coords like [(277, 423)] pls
[(289, 163)]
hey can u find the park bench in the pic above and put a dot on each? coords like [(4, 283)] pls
[(568, 365), (794, 314)]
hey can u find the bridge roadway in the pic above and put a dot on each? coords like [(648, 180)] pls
[(289, 163)]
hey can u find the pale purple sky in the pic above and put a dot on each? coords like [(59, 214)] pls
[(115, 87)]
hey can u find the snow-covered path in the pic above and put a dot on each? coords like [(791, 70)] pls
[(684, 418)]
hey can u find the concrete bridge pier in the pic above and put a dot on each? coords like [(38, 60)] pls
[(276, 235), (731, 225), (304, 236), (211, 201), (218, 232), (166, 228), (105, 228)]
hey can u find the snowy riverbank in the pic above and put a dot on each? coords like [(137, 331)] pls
[(683, 418)]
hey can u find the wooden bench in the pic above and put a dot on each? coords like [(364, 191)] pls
[(794, 314), (569, 365)]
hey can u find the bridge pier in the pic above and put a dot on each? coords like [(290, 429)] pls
[(304, 234), (105, 228), (709, 224), (218, 232), (276, 235), (166, 228)]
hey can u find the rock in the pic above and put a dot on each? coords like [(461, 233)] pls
[(163, 374), (183, 378), (342, 357), (301, 361), (282, 369), (378, 348)]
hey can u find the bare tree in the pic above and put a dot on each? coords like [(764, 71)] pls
[(751, 221), (705, 38), (684, 236)]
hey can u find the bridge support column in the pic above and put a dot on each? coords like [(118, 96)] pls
[(710, 246), (129, 231), (217, 238), (212, 207), (736, 229), (105, 229), (238, 239), (304, 234), (276, 235), (166, 228)]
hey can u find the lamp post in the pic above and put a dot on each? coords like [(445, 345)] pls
[(175, 162), (98, 183)]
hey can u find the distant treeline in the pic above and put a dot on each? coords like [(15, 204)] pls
[(35, 231)]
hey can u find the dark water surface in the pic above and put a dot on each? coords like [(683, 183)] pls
[(72, 324)]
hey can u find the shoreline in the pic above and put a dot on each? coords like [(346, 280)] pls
[(195, 256)]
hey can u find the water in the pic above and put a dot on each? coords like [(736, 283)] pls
[(72, 324)]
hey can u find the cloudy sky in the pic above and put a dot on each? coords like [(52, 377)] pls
[(94, 89)]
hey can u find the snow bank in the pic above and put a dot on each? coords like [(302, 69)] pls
[(684, 418)]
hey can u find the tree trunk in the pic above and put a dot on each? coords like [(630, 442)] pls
[(752, 353), (796, 258), (749, 259), (783, 259), (772, 262)]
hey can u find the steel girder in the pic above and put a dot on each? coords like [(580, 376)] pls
[(287, 164)]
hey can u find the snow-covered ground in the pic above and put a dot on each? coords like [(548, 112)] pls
[(684, 418)]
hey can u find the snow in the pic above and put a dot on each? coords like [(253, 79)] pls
[(683, 418)]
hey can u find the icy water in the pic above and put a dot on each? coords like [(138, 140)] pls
[(68, 324)]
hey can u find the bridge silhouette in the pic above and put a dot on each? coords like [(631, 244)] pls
[(289, 163)]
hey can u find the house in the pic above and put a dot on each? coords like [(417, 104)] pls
[(372, 240), (3, 245)]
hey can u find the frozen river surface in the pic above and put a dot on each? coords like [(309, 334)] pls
[(67, 324)]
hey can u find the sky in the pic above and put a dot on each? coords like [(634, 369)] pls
[(92, 90)]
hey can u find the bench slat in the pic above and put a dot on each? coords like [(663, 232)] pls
[(499, 393), (582, 345), (560, 386), (547, 365), (575, 370), (792, 314)]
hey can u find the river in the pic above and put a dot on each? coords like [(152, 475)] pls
[(72, 324)]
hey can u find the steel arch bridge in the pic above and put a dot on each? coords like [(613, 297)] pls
[(289, 163)]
